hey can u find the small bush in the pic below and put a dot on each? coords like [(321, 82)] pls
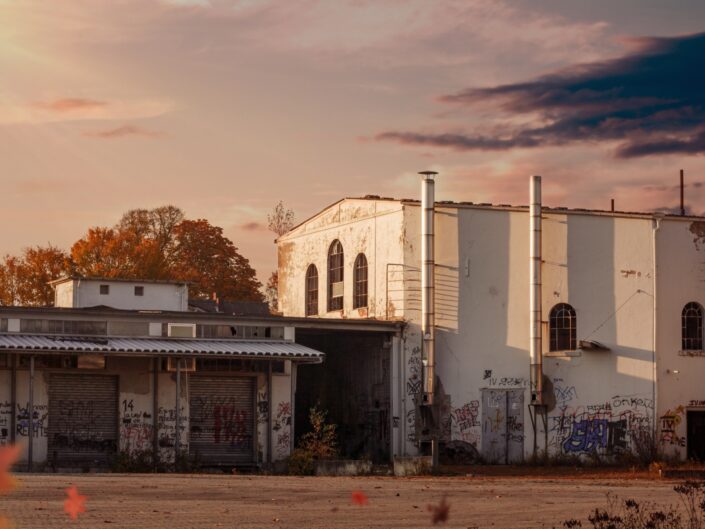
[(320, 443), (301, 462)]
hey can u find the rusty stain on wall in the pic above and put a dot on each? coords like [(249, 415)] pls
[(697, 228)]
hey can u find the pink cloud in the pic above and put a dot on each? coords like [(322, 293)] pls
[(69, 104), (123, 131)]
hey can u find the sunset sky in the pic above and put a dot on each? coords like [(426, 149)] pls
[(225, 107)]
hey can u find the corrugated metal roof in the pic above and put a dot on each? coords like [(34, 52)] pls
[(155, 346)]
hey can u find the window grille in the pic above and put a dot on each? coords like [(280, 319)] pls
[(692, 322), (335, 276), (563, 328), (360, 281), (312, 291)]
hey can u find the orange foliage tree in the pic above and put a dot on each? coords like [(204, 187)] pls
[(145, 244), (24, 279), (211, 262)]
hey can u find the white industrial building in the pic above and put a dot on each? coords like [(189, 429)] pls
[(613, 305)]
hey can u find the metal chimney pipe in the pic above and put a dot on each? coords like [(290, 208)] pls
[(682, 196), (535, 346), (428, 281)]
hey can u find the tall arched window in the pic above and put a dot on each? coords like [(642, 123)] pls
[(312, 291), (692, 323), (335, 276), (563, 328), (360, 281)]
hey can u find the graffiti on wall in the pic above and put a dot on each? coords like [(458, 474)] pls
[(166, 425), (136, 428), (415, 372), (76, 427), (608, 427), (466, 423), (39, 420), (669, 423), (282, 426), (262, 406)]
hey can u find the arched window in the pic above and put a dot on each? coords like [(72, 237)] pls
[(335, 276), (562, 328), (312, 291), (692, 321), (360, 281)]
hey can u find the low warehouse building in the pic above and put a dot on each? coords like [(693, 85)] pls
[(81, 385)]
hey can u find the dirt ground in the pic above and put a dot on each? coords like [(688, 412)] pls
[(249, 501)]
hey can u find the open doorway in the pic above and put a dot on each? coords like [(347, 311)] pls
[(696, 435)]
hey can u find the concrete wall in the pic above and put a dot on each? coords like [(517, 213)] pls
[(371, 227), (680, 276), (600, 264), (157, 296)]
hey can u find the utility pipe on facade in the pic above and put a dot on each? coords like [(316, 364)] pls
[(535, 346), (177, 421), (30, 417), (428, 281)]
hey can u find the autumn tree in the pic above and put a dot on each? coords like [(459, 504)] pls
[(271, 292), (281, 219), (24, 280), (211, 262), (145, 244)]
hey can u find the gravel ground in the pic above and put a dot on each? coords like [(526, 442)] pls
[(219, 501)]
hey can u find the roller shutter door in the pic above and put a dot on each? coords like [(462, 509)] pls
[(83, 422), (222, 419)]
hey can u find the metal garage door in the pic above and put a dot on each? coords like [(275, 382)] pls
[(82, 419), (222, 419)]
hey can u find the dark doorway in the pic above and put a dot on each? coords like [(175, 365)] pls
[(696, 435), (353, 386)]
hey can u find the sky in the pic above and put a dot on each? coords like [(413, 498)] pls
[(225, 107)]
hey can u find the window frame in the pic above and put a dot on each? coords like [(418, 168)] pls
[(104, 290), (689, 343), (336, 270), (360, 284), (139, 290), (559, 337), (311, 291)]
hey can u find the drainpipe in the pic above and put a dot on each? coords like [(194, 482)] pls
[(428, 283), (428, 322), (535, 351), (30, 415), (177, 421), (656, 225)]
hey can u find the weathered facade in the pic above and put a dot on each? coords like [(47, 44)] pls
[(621, 308), (82, 387)]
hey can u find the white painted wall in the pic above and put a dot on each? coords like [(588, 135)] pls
[(80, 293), (680, 277), (362, 226), (601, 264)]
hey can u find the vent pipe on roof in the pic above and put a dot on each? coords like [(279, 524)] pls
[(428, 280), (682, 196), (535, 346)]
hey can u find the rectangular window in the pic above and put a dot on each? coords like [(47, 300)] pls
[(104, 290), (3, 324), (139, 291), (182, 330), (96, 328)]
